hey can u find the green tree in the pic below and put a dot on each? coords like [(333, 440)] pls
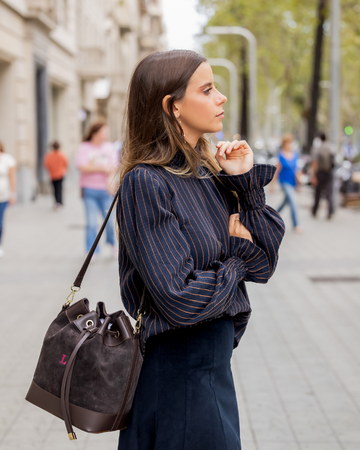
[(285, 32)]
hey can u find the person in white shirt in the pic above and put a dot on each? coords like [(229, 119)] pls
[(7, 186)]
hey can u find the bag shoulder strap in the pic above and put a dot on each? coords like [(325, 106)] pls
[(85, 266), (80, 276)]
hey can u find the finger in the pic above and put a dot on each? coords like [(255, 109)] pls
[(232, 146), (234, 218), (232, 224), (219, 157), (224, 147)]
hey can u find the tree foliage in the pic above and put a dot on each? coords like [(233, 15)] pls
[(285, 32)]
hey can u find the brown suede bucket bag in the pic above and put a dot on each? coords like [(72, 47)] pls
[(89, 363)]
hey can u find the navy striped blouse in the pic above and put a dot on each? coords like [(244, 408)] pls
[(174, 237)]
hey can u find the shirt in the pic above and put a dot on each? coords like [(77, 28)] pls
[(324, 156), (288, 169), (103, 155), (174, 238), (6, 163), (56, 163)]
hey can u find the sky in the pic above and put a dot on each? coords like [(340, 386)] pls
[(182, 22)]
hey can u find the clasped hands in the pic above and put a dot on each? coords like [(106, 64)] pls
[(235, 158)]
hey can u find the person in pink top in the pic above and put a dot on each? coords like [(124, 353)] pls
[(97, 161)]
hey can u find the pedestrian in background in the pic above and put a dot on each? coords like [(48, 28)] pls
[(56, 164), (97, 161), (7, 187), (287, 173), (322, 165)]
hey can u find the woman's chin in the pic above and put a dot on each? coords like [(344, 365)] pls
[(215, 129)]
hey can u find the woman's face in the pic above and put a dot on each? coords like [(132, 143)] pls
[(201, 109), (102, 135)]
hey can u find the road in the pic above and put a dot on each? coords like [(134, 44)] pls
[(297, 369)]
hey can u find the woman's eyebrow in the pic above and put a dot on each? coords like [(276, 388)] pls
[(209, 83)]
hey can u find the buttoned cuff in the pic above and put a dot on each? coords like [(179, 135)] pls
[(249, 186)]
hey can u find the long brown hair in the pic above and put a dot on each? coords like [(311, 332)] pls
[(95, 127), (151, 135)]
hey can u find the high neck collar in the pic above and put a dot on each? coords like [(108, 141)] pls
[(178, 160)]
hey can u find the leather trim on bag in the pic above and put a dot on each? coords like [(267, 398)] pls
[(84, 419), (80, 307)]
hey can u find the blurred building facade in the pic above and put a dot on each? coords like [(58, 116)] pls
[(64, 64)]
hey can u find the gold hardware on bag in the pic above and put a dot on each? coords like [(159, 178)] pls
[(74, 289), (138, 322), (89, 323), (72, 436), (80, 315)]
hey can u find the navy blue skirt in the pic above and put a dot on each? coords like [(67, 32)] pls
[(185, 399)]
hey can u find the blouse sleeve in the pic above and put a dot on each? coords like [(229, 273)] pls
[(264, 223), (161, 254)]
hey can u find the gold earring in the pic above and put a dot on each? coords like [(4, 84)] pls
[(177, 117)]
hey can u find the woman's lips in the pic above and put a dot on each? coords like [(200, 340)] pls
[(221, 115)]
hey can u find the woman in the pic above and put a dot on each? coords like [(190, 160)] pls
[(287, 171), (56, 163), (7, 186), (96, 159), (182, 237)]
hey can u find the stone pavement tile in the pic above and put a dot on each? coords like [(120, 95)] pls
[(102, 445), (245, 424), (57, 435), (266, 414), (348, 327), (346, 423), (321, 446), (20, 442), (349, 446), (31, 421), (248, 445), (324, 369), (322, 324), (303, 411), (312, 427), (277, 445), (246, 431), (10, 405), (57, 438), (108, 440)]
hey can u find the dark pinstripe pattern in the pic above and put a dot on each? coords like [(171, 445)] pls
[(174, 237)]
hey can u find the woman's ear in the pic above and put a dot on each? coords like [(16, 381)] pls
[(165, 104)]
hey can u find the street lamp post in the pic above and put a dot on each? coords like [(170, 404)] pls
[(247, 34), (234, 104), (335, 68)]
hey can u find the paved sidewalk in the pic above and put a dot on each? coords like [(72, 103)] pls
[(297, 369)]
